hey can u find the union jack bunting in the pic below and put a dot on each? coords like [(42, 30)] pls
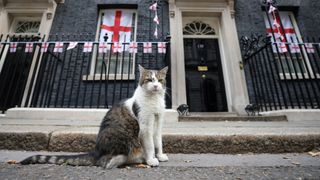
[(309, 48), (87, 47), (103, 47), (58, 47), (133, 47), (161, 47), (13, 47), (147, 47), (44, 47), (117, 47), (29, 48), (294, 48)]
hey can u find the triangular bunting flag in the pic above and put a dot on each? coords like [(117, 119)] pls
[(72, 45), (153, 7)]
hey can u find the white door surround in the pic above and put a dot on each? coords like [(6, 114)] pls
[(219, 13)]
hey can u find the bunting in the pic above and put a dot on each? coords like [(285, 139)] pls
[(44, 47), (147, 47), (309, 47), (161, 47), (29, 47), (87, 47), (13, 47), (154, 7), (133, 47), (58, 47)]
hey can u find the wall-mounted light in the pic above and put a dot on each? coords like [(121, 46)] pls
[(172, 14)]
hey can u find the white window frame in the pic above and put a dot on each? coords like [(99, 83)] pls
[(97, 76), (305, 59)]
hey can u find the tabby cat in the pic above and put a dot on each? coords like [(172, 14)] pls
[(129, 133)]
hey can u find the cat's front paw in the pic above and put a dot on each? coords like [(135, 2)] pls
[(153, 162), (162, 157)]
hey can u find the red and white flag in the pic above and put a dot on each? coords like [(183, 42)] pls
[(154, 6), (147, 47), (309, 47), (156, 33), (58, 47), (117, 47), (156, 19), (103, 47), (13, 47), (29, 47), (44, 47), (133, 47), (161, 47), (294, 48), (72, 45), (285, 34), (272, 9), (117, 24), (87, 47)]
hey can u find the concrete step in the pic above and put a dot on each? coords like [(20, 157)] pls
[(228, 117), (70, 115)]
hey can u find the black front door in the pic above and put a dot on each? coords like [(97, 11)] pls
[(204, 78)]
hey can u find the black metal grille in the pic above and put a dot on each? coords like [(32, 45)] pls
[(73, 78)]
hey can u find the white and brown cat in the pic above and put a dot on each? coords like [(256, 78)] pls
[(130, 132)]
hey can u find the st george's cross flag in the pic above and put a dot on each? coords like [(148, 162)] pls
[(309, 47), (58, 47), (133, 47), (29, 47), (117, 24), (117, 47), (294, 47), (44, 47), (161, 47), (147, 47), (87, 47), (13, 47), (280, 34)]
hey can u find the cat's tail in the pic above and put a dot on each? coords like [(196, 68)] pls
[(88, 159)]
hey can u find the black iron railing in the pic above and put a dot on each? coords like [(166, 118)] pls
[(282, 80), (72, 78)]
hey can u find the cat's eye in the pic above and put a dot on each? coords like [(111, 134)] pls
[(149, 80), (160, 80)]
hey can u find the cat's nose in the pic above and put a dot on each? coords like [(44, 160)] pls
[(155, 86)]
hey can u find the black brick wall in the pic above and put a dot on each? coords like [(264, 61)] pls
[(75, 19)]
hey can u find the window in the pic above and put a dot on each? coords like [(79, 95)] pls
[(119, 25), (288, 60)]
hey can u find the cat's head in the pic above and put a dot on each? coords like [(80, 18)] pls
[(153, 81)]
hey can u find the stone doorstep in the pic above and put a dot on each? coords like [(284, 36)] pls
[(231, 118), (229, 144)]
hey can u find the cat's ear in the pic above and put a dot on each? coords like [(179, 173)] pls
[(164, 70), (141, 69)]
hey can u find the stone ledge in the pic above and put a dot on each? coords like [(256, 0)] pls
[(24, 141), (79, 142)]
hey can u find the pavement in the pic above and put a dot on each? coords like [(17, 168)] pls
[(222, 137), (179, 166)]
